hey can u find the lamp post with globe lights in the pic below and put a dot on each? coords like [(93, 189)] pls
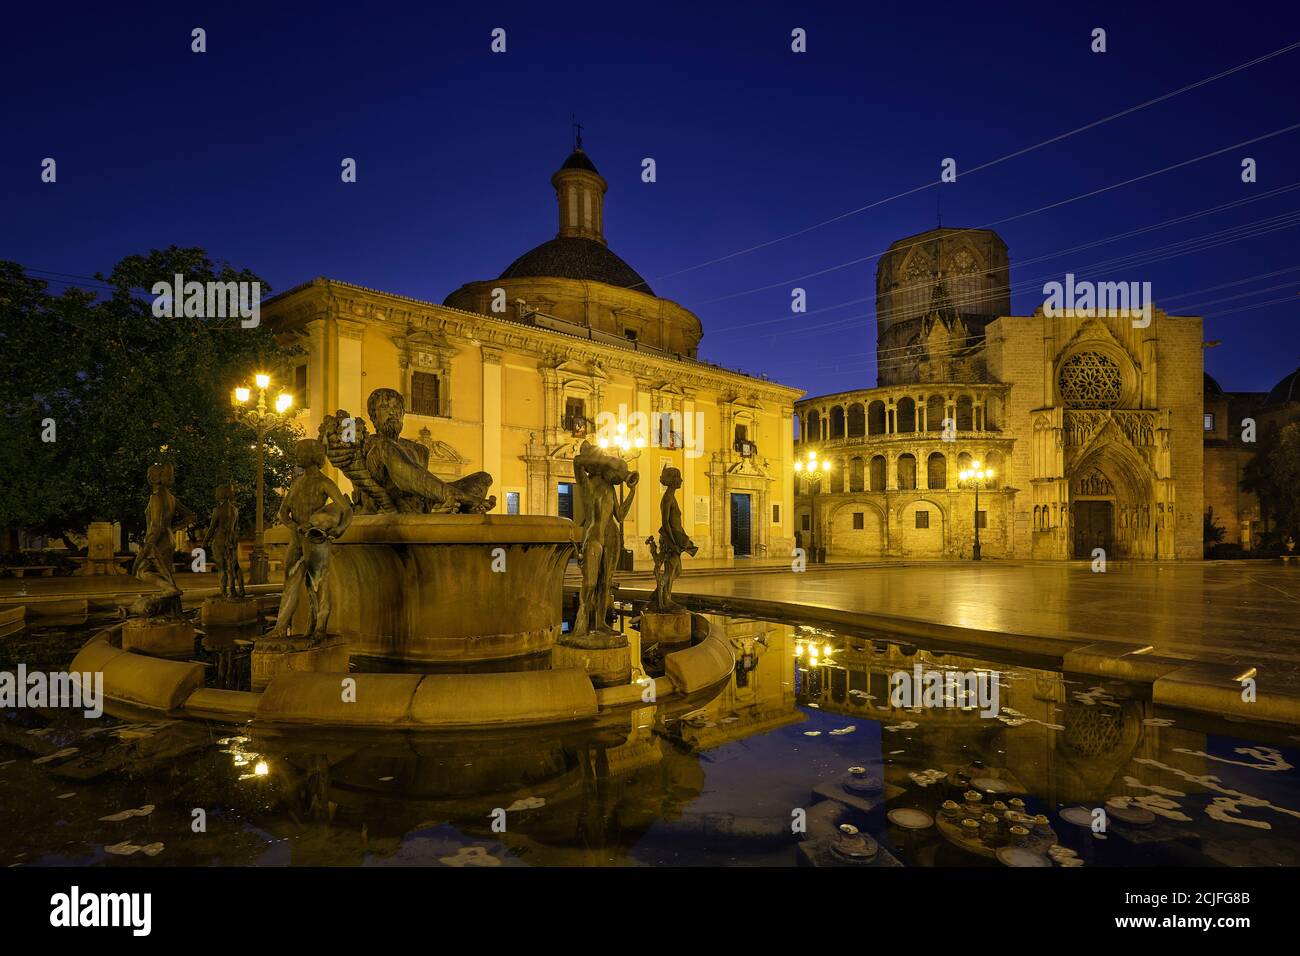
[(812, 471), (976, 477), (261, 419)]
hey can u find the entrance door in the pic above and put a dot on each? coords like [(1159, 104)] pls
[(740, 526), (1094, 522)]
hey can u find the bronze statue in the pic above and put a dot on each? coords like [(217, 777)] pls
[(673, 542), (316, 512), (597, 476), (390, 473), (222, 542), (153, 562)]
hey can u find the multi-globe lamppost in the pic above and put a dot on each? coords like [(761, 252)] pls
[(261, 419), (976, 477), (813, 471)]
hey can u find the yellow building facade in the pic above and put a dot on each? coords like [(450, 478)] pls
[(511, 375)]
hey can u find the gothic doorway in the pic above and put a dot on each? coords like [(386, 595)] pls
[(1094, 527)]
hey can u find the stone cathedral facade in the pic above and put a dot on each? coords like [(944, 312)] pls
[(1092, 425)]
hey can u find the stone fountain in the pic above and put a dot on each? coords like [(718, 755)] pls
[(406, 606)]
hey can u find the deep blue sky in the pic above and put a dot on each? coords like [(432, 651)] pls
[(238, 150)]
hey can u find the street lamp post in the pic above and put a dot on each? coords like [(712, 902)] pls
[(813, 471), (261, 419), (976, 477)]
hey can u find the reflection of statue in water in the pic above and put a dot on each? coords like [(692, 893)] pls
[(316, 512), (222, 542), (673, 542), (390, 473), (597, 476), (153, 562)]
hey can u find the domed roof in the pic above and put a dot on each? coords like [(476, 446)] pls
[(1287, 390), (1211, 387), (576, 257), (578, 160)]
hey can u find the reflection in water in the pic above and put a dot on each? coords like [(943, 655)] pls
[(801, 759)]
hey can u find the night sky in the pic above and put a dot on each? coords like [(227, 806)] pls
[(238, 150)]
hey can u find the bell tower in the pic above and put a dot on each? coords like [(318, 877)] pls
[(580, 191)]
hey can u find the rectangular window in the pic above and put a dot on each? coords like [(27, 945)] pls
[(575, 416), (776, 514), (1209, 421), (512, 502), (630, 334), (425, 396), (300, 387), (805, 522), (923, 519), (858, 523), (981, 519), (565, 494)]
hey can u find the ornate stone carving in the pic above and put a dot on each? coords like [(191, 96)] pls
[(1090, 380), (1094, 484)]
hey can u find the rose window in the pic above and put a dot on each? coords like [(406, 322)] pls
[(1090, 380)]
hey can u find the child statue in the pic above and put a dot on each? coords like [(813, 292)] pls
[(222, 542), (673, 542), (315, 511), (597, 475), (153, 562)]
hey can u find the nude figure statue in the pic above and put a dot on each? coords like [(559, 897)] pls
[(597, 476), (153, 562), (316, 512)]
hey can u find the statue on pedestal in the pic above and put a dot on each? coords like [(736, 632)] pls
[(673, 543), (316, 512), (222, 542), (598, 476), (153, 562), (389, 473)]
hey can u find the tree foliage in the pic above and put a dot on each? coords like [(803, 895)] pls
[(125, 389), (1274, 475)]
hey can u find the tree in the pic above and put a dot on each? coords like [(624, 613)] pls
[(125, 389), (1274, 475)]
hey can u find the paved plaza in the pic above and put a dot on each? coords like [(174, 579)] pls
[(1236, 613)]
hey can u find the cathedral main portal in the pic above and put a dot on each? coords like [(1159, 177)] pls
[(1094, 527)]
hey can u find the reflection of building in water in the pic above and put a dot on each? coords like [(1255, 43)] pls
[(1063, 743), (761, 695)]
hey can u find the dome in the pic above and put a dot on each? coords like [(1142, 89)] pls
[(578, 160), (576, 257), (1287, 390)]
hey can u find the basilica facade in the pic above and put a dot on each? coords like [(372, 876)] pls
[(568, 344), (1092, 426)]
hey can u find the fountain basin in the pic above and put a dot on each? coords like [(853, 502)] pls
[(448, 589)]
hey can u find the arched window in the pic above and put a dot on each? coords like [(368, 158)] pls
[(835, 482), (814, 427), (837, 422), (857, 421), (856, 470), (936, 475), (965, 413), (905, 415), (1090, 380), (906, 472), (876, 418), (934, 409), (964, 462), (994, 463), (878, 473)]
